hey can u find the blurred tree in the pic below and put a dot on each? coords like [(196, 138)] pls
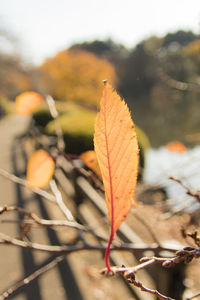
[(193, 48), (76, 76), (13, 78), (113, 52), (192, 53), (153, 44), (13, 74), (180, 37), (108, 50), (138, 74), (177, 65)]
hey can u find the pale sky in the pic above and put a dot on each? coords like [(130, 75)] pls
[(44, 27)]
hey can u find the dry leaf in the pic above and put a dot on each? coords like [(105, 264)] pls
[(176, 147), (90, 160), (28, 102), (40, 169), (116, 147)]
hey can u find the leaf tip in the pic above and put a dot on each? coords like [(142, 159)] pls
[(105, 81)]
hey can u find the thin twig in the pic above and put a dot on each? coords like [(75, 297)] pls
[(67, 213), (31, 277), (52, 107), (5, 239), (129, 275), (150, 291), (185, 255), (176, 84), (56, 199), (196, 195), (89, 174), (24, 183), (40, 221), (194, 296), (47, 223)]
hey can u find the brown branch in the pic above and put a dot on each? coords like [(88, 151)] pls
[(48, 223), (63, 249), (176, 84), (196, 195), (185, 255), (129, 275), (67, 213), (150, 291), (24, 183), (31, 277), (56, 198), (194, 296), (89, 174), (52, 108)]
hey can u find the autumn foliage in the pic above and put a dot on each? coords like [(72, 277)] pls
[(40, 169), (176, 147), (28, 102), (90, 160), (116, 147), (76, 76)]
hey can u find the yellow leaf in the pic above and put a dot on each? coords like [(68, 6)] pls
[(28, 102), (40, 169), (90, 160), (116, 147)]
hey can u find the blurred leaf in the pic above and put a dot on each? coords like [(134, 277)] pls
[(176, 147), (40, 169), (90, 160), (28, 102)]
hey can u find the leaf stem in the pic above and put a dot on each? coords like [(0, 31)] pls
[(108, 250)]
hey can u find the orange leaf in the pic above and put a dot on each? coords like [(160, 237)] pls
[(90, 160), (28, 102), (40, 169), (176, 147), (117, 153)]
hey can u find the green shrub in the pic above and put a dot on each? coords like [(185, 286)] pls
[(77, 125), (78, 130), (42, 117)]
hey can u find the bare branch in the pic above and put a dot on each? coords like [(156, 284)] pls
[(31, 277), (194, 296), (176, 84), (24, 183), (148, 290), (43, 222), (185, 255), (52, 107), (188, 191), (60, 202), (48, 223), (63, 249), (129, 275)]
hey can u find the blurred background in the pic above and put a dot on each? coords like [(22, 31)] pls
[(149, 50)]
